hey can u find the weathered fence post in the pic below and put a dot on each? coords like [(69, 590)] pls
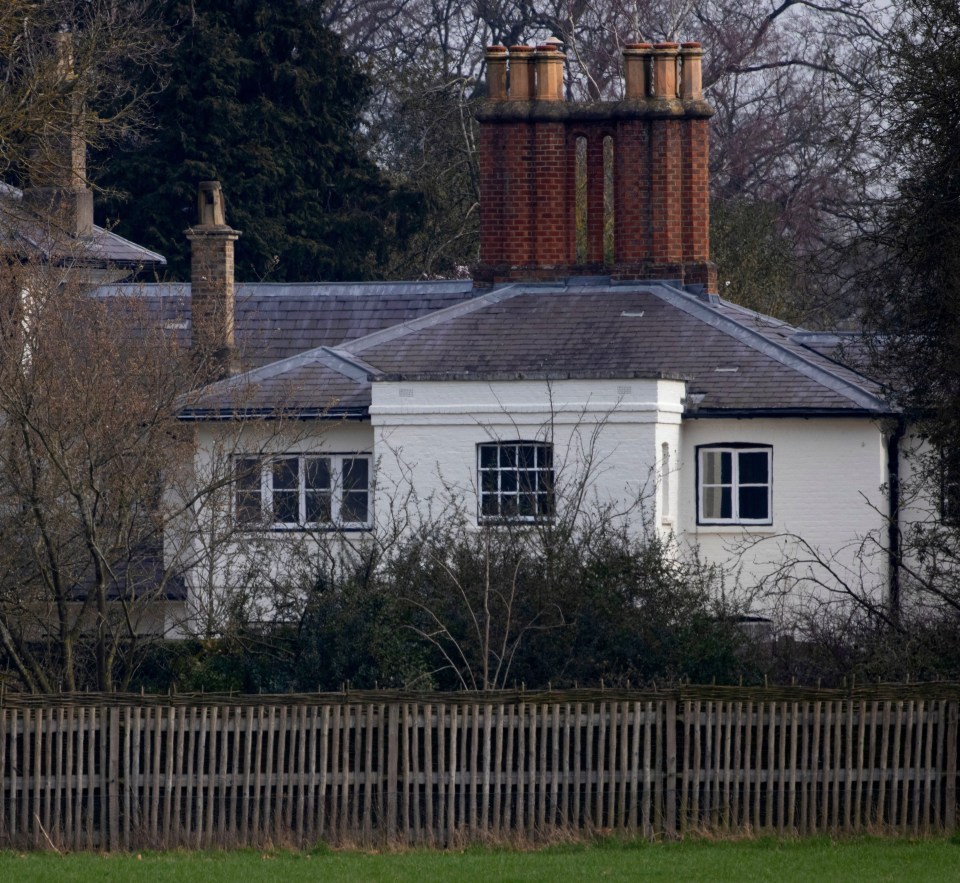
[(950, 798), (671, 752)]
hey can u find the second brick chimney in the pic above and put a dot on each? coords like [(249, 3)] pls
[(212, 284), (660, 180), (58, 190)]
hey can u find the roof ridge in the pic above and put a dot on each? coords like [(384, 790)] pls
[(322, 354), (437, 317), (343, 359), (97, 230), (754, 339)]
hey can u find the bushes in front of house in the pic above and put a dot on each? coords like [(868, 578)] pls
[(452, 606)]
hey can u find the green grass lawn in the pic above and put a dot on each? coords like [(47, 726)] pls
[(818, 860)]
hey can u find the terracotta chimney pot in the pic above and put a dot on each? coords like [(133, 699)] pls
[(496, 72), (636, 69), (691, 84), (549, 64), (522, 73), (665, 70)]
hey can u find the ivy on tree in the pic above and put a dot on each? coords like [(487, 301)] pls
[(261, 97)]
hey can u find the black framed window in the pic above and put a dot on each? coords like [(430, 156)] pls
[(515, 480), (303, 490), (734, 484)]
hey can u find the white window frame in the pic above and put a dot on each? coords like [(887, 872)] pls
[(539, 472), (735, 485), (950, 486), (336, 466)]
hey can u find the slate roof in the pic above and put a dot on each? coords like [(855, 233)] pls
[(21, 230), (278, 321), (735, 361)]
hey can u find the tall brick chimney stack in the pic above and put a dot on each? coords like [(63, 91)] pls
[(528, 168), (58, 189), (211, 278)]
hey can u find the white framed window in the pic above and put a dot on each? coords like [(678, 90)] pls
[(515, 481), (734, 484), (950, 485), (286, 491)]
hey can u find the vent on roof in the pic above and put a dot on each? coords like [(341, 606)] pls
[(624, 390), (631, 314), (726, 370)]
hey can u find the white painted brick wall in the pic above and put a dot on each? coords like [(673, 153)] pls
[(827, 481), (827, 473)]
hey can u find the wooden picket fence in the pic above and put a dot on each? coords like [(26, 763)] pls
[(126, 772)]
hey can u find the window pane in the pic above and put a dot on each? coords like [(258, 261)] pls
[(248, 502), (286, 507), (318, 507), (356, 474), (754, 467), (526, 456), (545, 456), (717, 467), (717, 502), (508, 457), (545, 505), (528, 505), (317, 473), (508, 482), (527, 480), (489, 505), (247, 473), (488, 482), (286, 473), (753, 503), (249, 509), (488, 456), (354, 508)]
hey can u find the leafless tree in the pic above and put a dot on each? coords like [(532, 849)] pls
[(65, 74), (793, 84), (87, 429)]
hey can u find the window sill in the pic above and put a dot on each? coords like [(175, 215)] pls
[(754, 529), (273, 530)]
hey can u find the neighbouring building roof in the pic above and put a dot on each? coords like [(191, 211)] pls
[(23, 233), (277, 321), (734, 361)]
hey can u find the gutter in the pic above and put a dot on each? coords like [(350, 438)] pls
[(218, 415), (701, 413), (894, 555)]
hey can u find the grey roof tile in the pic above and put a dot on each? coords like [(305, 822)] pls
[(295, 339), (275, 321)]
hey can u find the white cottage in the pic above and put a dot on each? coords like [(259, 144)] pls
[(591, 353)]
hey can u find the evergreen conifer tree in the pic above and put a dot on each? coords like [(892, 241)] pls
[(261, 97)]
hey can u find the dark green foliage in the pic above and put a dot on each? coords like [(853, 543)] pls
[(454, 607), (426, 137), (354, 632), (260, 97), (755, 260), (916, 307), (547, 604)]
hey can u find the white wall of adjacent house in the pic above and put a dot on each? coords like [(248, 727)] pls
[(828, 502), (607, 437), (224, 558)]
